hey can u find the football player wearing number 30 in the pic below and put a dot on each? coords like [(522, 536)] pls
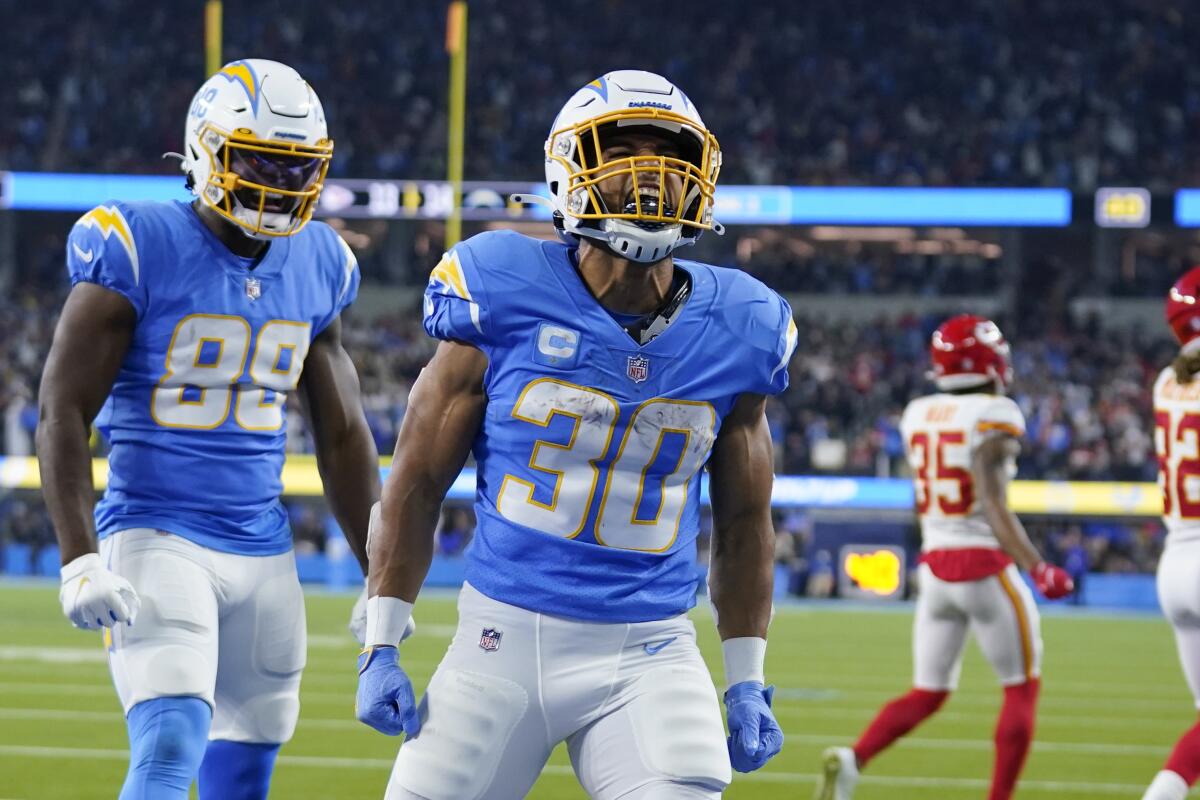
[(593, 380), (962, 443), (186, 327), (1177, 440)]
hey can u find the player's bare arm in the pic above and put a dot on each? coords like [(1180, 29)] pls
[(445, 410), (90, 342), (444, 413), (741, 577), (741, 571), (990, 468), (346, 454)]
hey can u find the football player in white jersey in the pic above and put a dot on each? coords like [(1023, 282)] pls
[(962, 443), (1177, 440)]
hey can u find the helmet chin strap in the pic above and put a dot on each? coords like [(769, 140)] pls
[(625, 239)]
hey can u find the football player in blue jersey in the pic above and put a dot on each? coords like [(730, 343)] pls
[(593, 380), (186, 327)]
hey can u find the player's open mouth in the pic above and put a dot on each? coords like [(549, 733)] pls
[(648, 202), (275, 203)]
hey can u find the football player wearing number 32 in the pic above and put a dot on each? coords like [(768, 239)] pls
[(187, 326), (961, 444), (593, 380), (1176, 438)]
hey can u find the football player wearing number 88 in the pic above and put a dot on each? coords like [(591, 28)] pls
[(962, 442), (593, 379), (187, 326), (1177, 441)]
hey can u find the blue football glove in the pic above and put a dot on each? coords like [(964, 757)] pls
[(385, 699), (754, 735)]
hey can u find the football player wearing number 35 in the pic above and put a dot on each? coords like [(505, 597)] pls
[(593, 380), (186, 327), (1177, 439), (962, 443)]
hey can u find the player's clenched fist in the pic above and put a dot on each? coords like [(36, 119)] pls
[(94, 597), (385, 700), (1053, 582), (754, 735)]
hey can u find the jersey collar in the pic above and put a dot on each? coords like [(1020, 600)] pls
[(690, 314)]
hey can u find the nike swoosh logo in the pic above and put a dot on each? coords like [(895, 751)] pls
[(84, 255), (653, 648)]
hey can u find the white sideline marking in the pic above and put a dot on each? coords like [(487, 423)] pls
[(845, 708), (867, 712), (330, 641), (924, 743), (916, 742), (54, 655), (98, 754)]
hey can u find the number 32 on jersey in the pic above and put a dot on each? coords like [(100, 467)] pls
[(1177, 444), (643, 494), (205, 362)]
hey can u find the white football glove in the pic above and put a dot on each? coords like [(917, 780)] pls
[(94, 597), (358, 621)]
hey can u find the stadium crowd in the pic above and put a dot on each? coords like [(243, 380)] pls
[(1029, 92)]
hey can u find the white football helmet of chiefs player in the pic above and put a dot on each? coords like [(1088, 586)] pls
[(256, 148), (648, 227)]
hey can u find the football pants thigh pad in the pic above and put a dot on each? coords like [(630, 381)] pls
[(171, 650), (1178, 585), (667, 739), (480, 740), (1005, 620), (262, 655), (939, 636)]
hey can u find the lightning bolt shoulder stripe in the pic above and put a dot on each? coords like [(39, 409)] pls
[(348, 267), (789, 347), (449, 273), (109, 220)]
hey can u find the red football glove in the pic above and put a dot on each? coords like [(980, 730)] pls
[(1053, 582)]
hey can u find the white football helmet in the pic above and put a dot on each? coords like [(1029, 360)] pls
[(256, 148), (647, 228)]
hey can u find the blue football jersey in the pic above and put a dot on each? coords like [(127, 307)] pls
[(591, 448), (196, 416)]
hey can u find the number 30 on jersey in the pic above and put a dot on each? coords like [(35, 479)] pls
[(205, 362), (629, 517)]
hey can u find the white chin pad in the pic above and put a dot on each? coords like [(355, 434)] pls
[(271, 221), (637, 244)]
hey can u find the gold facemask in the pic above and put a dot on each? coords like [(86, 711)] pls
[(303, 166), (699, 178)]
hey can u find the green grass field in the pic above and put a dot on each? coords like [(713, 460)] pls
[(1113, 702)]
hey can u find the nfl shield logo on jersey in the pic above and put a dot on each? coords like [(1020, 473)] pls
[(637, 368), (253, 288), (489, 640)]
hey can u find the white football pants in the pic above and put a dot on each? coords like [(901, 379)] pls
[(226, 628), (1001, 612), (634, 702), (1179, 595)]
